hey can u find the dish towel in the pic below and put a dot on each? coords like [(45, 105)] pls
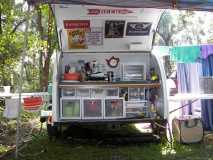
[(206, 50), (186, 54)]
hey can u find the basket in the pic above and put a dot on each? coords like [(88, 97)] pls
[(72, 76), (32, 103)]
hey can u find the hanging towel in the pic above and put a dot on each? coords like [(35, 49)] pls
[(186, 54), (206, 50), (12, 108)]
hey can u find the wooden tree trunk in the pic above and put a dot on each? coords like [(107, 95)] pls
[(44, 68)]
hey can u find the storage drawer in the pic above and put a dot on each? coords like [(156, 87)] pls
[(92, 108), (137, 110), (134, 72), (134, 109), (83, 92), (68, 92), (136, 94), (70, 108), (133, 104), (97, 93), (114, 108), (112, 92)]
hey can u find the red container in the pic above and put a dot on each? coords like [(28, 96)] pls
[(72, 76), (32, 103)]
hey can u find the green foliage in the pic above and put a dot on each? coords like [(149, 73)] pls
[(11, 39), (40, 44)]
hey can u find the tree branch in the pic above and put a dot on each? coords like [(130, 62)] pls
[(16, 27), (0, 21)]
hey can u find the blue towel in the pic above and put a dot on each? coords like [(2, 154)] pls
[(185, 54)]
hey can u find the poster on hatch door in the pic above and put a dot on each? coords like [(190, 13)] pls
[(95, 36), (76, 33), (114, 29), (77, 38), (138, 29)]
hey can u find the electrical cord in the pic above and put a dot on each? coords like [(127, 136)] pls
[(191, 102)]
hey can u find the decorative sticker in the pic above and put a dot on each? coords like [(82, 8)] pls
[(114, 29), (108, 11), (72, 24), (95, 36), (138, 29)]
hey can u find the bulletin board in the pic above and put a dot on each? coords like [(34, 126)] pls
[(83, 28)]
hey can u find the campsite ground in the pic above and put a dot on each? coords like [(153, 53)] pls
[(92, 148)]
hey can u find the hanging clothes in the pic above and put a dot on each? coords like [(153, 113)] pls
[(188, 82), (186, 54), (207, 105), (206, 50)]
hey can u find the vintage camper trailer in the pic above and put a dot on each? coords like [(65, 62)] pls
[(105, 71)]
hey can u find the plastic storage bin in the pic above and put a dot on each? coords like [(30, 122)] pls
[(92, 108), (112, 92), (68, 92), (134, 72), (83, 92), (114, 108), (70, 108), (137, 108), (97, 93), (136, 94)]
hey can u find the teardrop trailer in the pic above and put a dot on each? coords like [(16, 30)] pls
[(105, 71)]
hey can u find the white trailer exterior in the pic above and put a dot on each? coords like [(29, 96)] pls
[(130, 49)]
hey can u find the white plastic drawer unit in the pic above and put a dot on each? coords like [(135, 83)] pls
[(83, 92), (92, 108), (112, 92), (137, 108), (70, 108), (136, 94), (134, 72), (68, 92), (114, 108), (97, 93)]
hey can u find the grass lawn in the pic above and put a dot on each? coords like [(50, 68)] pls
[(41, 148)]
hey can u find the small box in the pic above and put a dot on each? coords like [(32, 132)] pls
[(136, 94), (68, 92), (83, 92), (70, 108), (92, 108), (112, 92), (114, 108), (97, 93)]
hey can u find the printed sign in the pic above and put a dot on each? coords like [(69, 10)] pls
[(76, 33), (77, 38), (97, 11), (114, 29), (138, 29), (95, 36), (71, 24)]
